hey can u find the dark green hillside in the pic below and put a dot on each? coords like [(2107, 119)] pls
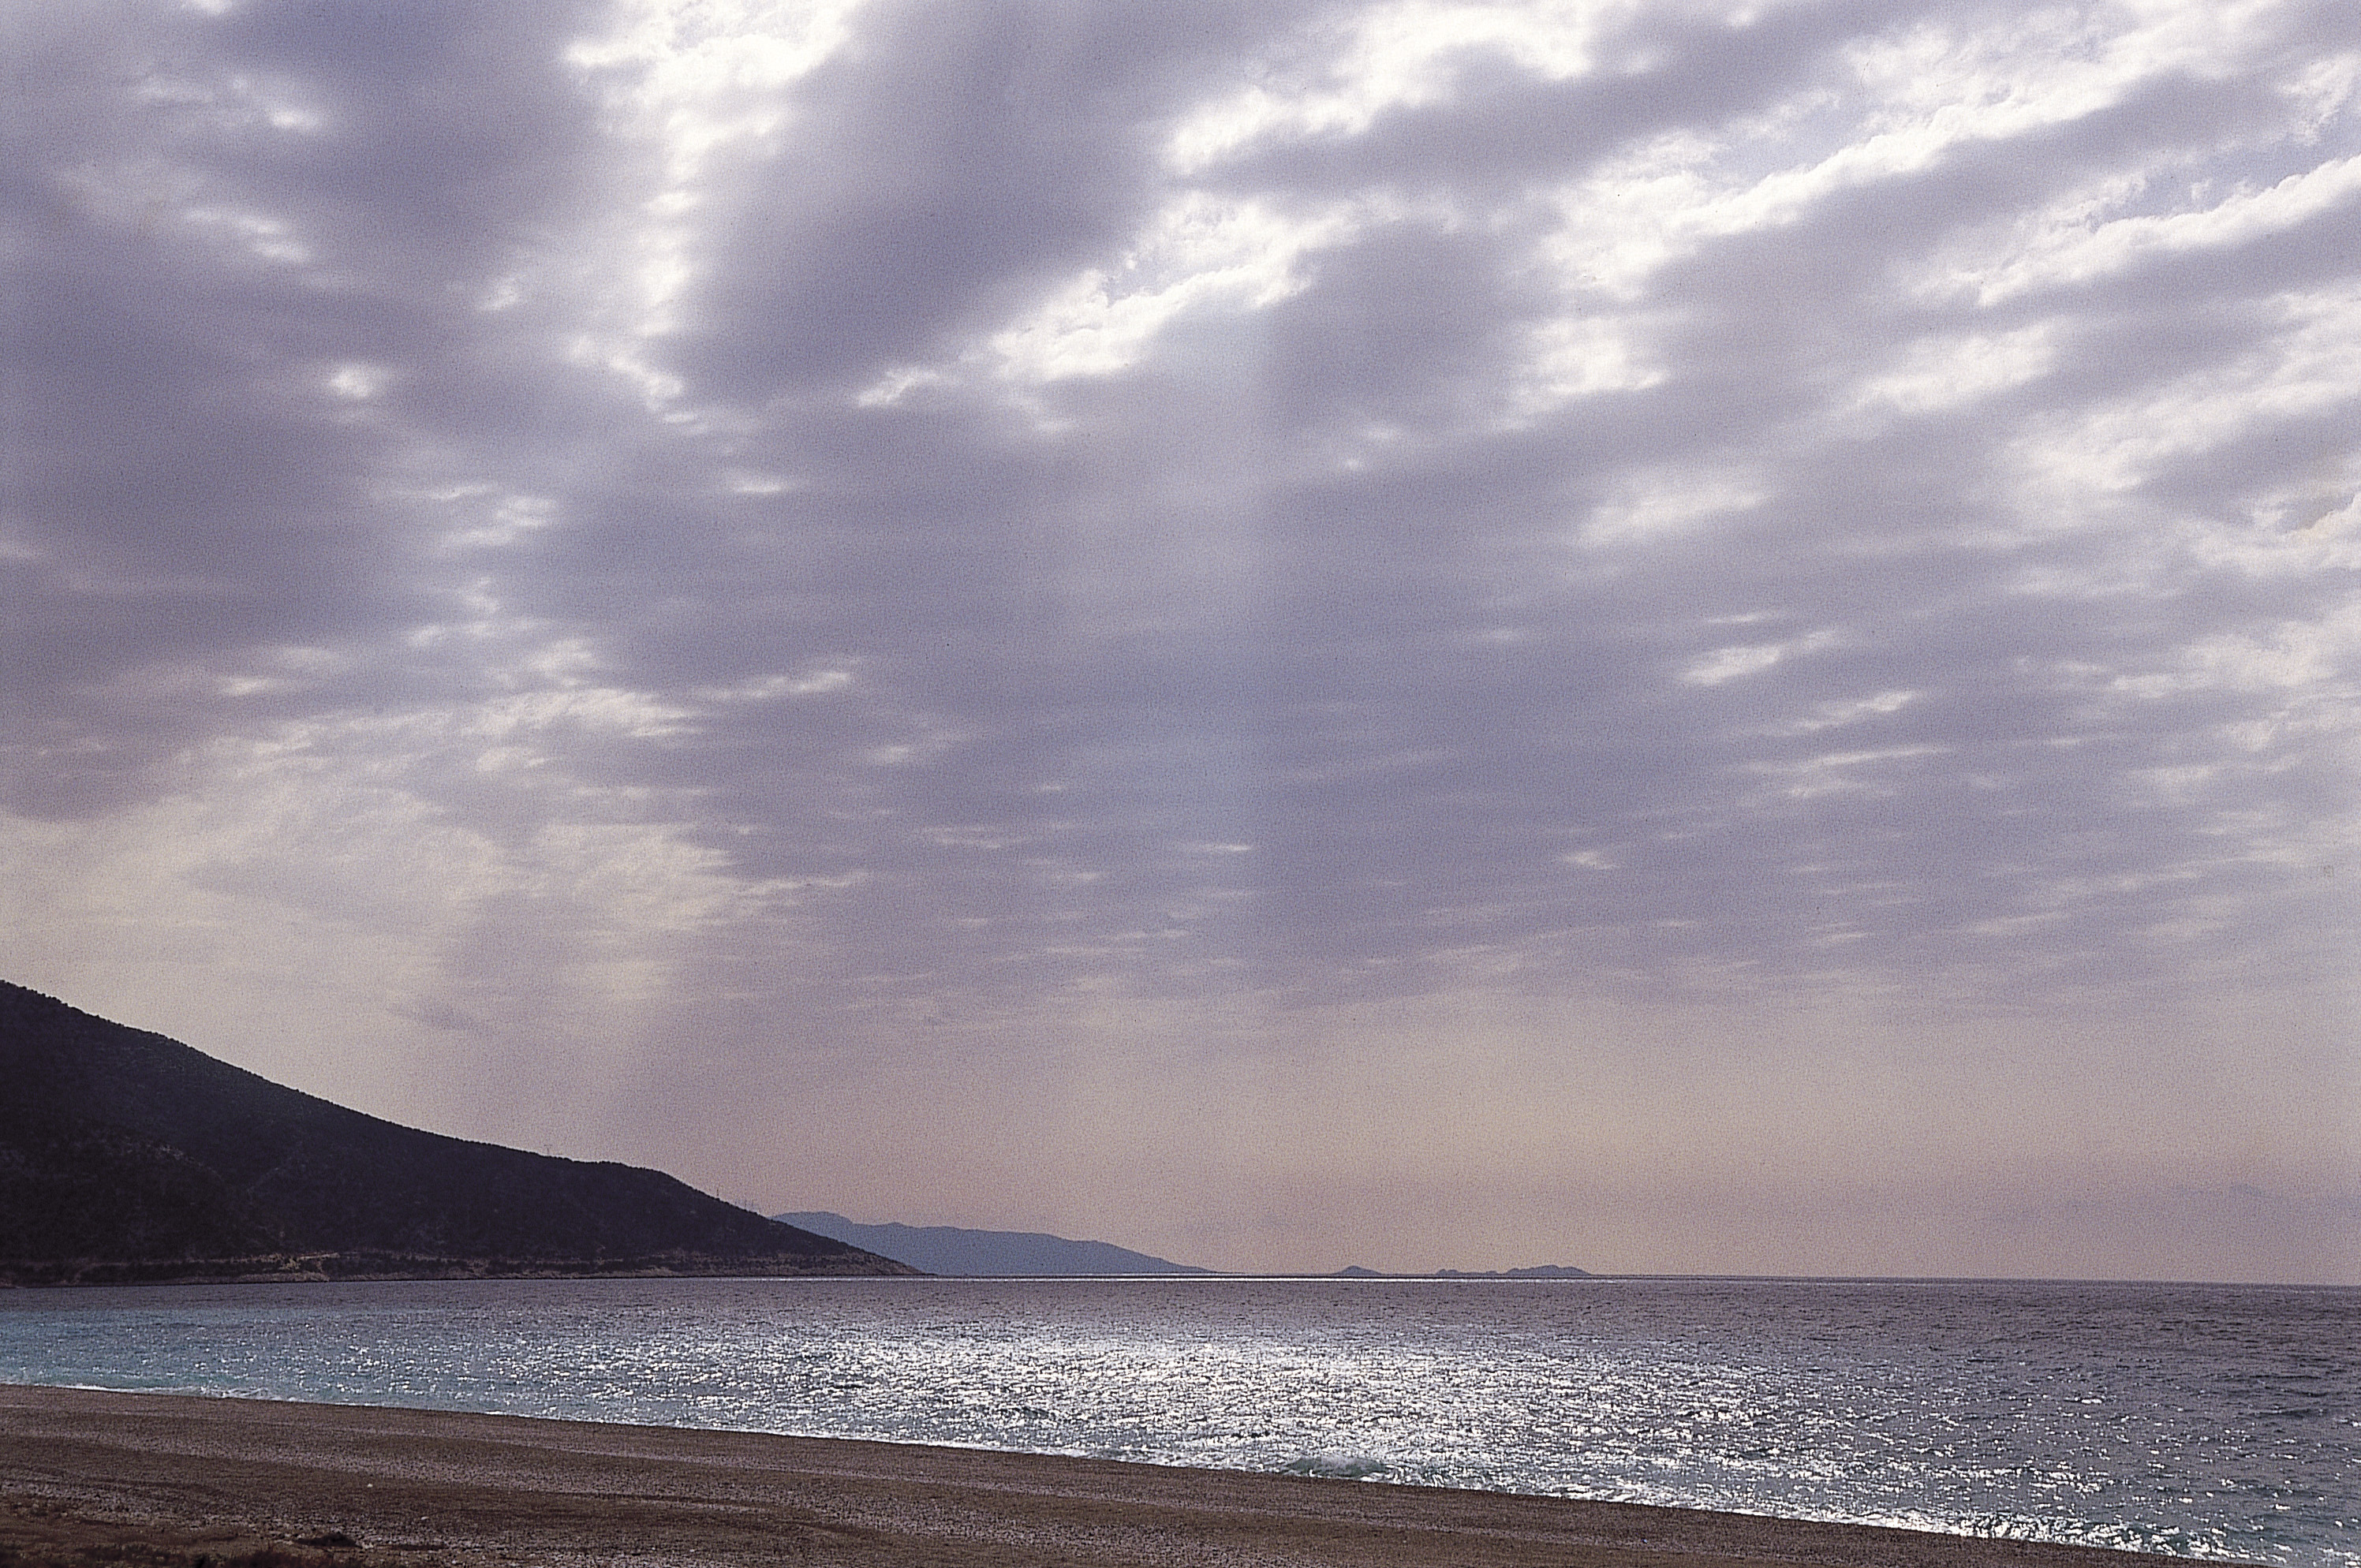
[(127, 1156)]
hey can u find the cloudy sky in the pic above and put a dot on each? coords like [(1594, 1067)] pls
[(1658, 635)]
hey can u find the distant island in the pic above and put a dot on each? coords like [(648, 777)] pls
[(127, 1157), (1539, 1271), (948, 1249)]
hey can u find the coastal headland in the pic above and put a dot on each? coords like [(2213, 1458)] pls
[(129, 1158), (89, 1476)]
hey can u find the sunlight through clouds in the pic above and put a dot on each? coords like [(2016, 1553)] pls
[(1516, 580), (1197, 253), (697, 84)]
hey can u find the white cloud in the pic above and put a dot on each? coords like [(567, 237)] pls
[(1199, 252), (1853, 711), (1836, 772), (2075, 459), (1940, 374), (2075, 246), (1652, 503), (1390, 57), (1733, 662), (1740, 660)]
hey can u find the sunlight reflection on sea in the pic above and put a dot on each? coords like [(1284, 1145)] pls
[(2204, 1421)]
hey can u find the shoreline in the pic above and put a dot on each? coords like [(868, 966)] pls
[(286, 1482)]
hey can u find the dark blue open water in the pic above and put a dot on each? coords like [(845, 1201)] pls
[(2205, 1420)]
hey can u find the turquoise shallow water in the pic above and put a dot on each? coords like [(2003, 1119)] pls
[(2204, 1421)]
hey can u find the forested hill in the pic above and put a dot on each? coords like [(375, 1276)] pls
[(128, 1156)]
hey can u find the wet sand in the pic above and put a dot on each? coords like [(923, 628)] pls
[(90, 1477)]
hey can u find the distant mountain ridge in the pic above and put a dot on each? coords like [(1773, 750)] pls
[(948, 1249), (128, 1157)]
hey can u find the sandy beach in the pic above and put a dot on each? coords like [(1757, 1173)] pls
[(90, 1477)]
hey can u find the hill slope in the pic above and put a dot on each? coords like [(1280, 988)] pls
[(947, 1249), (127, 1156)]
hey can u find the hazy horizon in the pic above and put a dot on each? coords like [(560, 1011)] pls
[(1672, 636)]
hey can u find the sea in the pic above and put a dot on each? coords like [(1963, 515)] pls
[(2202, 1421)]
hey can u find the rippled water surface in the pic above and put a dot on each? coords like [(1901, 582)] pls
[(2205, 1420)]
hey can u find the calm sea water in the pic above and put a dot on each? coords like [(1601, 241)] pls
[(2204, 1421)]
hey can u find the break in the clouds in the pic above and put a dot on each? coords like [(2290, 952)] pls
[(1651, 635)]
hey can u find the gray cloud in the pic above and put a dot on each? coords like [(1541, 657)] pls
[(953, 164), (997, 518), (230, 215)]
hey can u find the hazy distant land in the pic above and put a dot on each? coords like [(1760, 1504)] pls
[(955, 1251), (949, 1249), (128, 1158), (1538, 1271)]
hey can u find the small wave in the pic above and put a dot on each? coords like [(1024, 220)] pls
[(1335, 1465)]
